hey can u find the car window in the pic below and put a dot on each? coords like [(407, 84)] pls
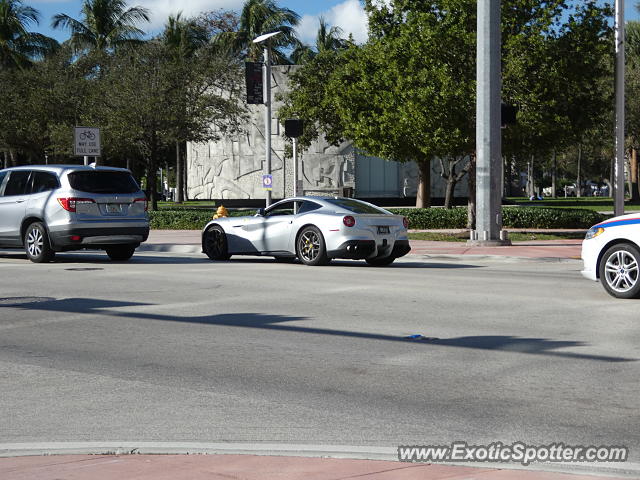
[(3, 174), (43, 182), (103, 182), (17, 183), (285, 208), (308, 206), (355, 206)]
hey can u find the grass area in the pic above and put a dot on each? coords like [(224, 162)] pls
[(598, 204), (513, 236)]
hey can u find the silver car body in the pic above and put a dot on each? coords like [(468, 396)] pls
[(274, 231), (95, 220)]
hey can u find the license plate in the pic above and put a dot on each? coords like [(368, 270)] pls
[(113, 208), (383, 229)]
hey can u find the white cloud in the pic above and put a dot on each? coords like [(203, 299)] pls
[(161, 9), (348, 15)]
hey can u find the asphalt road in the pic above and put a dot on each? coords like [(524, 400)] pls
[(177, 348)]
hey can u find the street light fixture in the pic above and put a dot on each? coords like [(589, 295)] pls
[(266, 39)]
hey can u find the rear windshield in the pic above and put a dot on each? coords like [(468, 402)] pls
[(103, 182), (355, 206)]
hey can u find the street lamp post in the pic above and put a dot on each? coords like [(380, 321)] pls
[(618, 200), (266, 38), (488, 136)]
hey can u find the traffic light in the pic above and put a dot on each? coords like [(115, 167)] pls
[(293, 127)]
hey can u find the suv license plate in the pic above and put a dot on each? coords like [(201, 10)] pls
[(383, 229), (113, 208)]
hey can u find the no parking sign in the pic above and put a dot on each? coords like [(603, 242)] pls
[(267, 182)]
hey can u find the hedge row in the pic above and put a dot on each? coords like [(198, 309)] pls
[(419, 218)]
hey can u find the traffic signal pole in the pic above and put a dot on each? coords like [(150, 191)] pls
[(488, 135)]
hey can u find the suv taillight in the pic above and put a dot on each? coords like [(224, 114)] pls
[(349, 221), (70, 203), (146, 205)]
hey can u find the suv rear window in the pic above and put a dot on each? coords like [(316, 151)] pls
[(355, 206), (103, 182)]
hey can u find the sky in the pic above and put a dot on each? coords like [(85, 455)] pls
[(346, 14)]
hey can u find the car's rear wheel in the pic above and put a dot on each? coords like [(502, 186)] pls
[(37, 245), (214, 244), (120, 252), (380, 261), (311, 248), (619, 271)]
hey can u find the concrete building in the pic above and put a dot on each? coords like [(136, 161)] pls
[(232, 168)]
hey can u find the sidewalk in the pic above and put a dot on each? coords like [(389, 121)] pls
[(251, 467), (188, 241)]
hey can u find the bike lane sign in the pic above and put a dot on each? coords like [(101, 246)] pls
[(267, 182), (86, 141)]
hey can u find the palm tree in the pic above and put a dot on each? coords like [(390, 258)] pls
[(18, 46), (106, 25), (183, 37), (327, 39), (259, 17)]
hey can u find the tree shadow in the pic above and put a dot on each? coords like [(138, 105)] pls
[(504, 343)]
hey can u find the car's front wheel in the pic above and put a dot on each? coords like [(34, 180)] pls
[(214, 244), (619, 269), (36, 244), (120, 252), (311, 248)]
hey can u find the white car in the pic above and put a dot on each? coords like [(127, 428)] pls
[(312, 229), (611, 254)]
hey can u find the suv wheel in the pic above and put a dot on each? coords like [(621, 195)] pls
[(36, 244), (120, 252)]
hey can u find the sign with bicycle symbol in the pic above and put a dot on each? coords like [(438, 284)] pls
[(267, 182), (86, 141)]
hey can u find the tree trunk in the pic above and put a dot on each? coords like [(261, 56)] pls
[(578, 182), (471, 208), (423, 197), (554, 174), (12, 157), (633, 175), (151, 175), (531, 186), (448, 195), (5, 157), (179, 184)]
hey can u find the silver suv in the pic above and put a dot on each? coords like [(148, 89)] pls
[(55, 208)]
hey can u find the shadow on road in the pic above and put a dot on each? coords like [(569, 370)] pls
[(505, 343), (102, 258)]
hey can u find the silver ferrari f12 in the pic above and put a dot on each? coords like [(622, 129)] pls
[(312, 229)]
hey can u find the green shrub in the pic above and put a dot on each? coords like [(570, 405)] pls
[(419, 218), (512, 217)]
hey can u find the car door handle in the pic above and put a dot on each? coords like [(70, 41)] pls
[(20, 201)]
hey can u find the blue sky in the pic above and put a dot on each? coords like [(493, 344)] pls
[(347, 14)]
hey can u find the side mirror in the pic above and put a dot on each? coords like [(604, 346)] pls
[(260, 212)]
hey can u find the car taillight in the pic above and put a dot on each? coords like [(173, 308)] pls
[(70, 203), (405, 222), (146, 205), (349, 221)]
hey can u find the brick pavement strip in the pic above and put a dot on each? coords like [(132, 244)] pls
[(249, 467)]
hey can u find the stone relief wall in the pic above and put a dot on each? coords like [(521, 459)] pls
[(232, 168)]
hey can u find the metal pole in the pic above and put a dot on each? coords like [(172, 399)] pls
[(295, 166), (267, 115), (488, 134), (619, 165), (86, 160)]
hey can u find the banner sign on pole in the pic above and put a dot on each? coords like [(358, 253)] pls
[(267, 182), (253, 77)]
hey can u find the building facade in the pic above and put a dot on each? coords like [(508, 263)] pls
[(232, 167)]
